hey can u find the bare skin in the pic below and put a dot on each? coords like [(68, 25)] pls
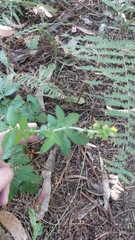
[(6, 173)]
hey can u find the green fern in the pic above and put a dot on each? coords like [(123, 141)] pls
[(42, 81), (116, 62), (118, 5)]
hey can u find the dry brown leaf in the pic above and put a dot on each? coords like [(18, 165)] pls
[(6, 31), (45, 192), (62, 44), (13, 24), (105, 185), (87, 31), (42, 10), (39, 95), (116, 188), (13, 225)]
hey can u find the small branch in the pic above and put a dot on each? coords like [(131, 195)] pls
[(123, 28)]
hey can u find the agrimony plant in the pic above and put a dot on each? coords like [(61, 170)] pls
[(60, 130)]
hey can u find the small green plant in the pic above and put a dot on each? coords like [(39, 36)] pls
[(60, 130), (37, 227)]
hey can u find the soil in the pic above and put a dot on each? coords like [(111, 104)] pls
[(76, 209)]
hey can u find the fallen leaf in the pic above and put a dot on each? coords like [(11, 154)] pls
[(116, 188), (42, 10), (105, 185), (6, 31), (87, 31), (85, 211), (12, 24), (13, 225), (87, 21), (44, 196), (39, 96), (62, 44)]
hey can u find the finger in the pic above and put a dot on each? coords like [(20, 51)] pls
[(4, 195), (6, 175), (3, 164), (32, 125)]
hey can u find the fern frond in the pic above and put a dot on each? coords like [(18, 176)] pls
[(115, 61)]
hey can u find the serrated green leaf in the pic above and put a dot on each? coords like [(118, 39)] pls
[(51, 120), (47, 145), (47, 133), (46, 72), (66, 146), (26, 135), (34, 103), (71, 119), (11, 88), (23, 123), (123, 170), (10, 77), (1, 96), (17, 102), (28, 113), (28, 187), (57, 138), (1, 84), (42, 118), (14, 187), (18, 137), (76, 137), (12, 117), (3, 58), (59, 113), (123, 178), (3, 126), (8, 140), (37, 227), (33, 43), (25, 173), (18, 160), (7, 154), (114, 163)]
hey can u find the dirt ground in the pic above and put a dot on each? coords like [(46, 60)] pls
[(76, 209)]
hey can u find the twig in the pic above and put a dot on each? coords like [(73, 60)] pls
[(94, 202), (62, 174), (91, 166)]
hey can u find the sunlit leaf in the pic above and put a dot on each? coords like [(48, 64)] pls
[(59, 113), (3, 126), (76, 137), (8, 140), (47, 145), (71, 119)]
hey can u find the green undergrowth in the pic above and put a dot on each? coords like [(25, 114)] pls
[(58, 130), (112, 59)]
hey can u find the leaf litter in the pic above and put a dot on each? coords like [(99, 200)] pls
[(13, 225), (44, 194)]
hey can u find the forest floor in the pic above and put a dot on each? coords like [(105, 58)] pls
[(76, 208)]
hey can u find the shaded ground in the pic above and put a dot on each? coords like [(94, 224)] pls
[(76, 211)]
